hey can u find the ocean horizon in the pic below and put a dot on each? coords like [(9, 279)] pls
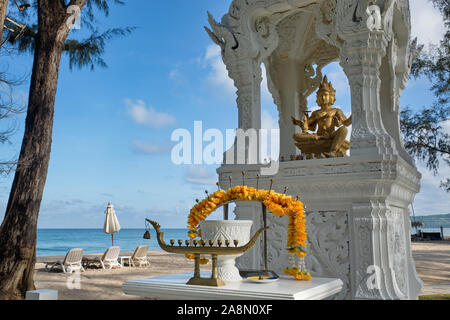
[(56, 242), (446, 230)]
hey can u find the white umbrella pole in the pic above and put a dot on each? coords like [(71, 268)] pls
[(111, 225)]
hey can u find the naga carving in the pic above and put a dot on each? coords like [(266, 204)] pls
[(221, 34)]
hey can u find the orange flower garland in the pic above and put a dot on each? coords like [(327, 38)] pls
[(278, 203)]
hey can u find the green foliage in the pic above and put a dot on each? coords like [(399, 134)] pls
[(8, 109), (89, 52), (85, 52), (82, 53), (445, 184), (435, 62), (424, 135)]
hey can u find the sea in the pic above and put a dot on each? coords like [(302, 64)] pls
[(56, 242), (446, 230)]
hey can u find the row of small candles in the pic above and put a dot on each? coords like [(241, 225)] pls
[(243, 183), (203, 243)]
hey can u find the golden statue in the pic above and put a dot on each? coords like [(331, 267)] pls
[(327, 141)]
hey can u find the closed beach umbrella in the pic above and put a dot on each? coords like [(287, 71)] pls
[(111, 223)]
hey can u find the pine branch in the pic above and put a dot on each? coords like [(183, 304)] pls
[(423, 134), (89, 52), (446, 185)]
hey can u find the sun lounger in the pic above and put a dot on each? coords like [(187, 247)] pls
[(139, 257), (71, 262), (110, 258)]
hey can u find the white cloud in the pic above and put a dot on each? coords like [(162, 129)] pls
[(140, 114), (218, 76), (432, 199), (212, 52), (266, 96), (337, 77), (268, 122), (174, 74), (149, 147), (200, 175), (427, 23)]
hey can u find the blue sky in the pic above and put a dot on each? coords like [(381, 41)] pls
[(111, 138)]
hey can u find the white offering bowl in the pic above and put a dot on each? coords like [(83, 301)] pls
[(227, 230)]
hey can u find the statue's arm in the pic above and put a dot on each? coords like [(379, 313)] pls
[(304, 125), (296, 122), (343, 119), (312, 126), (312, 121), (348, 121)]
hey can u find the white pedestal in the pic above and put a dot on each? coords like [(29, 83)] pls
[(174, 287), (230, 230), (357, 222), (43, 294)]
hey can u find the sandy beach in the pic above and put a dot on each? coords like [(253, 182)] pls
[(99, 284), (432, 263), (432, 260)]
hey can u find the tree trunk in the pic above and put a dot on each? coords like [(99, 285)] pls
[(3, 8), (19, 228)]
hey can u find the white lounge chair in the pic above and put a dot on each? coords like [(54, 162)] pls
[(139, 257), (71, 262), (110, 258)]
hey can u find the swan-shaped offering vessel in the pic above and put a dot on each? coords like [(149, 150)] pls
[(203, 247)]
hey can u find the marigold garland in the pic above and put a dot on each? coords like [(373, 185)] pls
[(297, 273), (278, 203)]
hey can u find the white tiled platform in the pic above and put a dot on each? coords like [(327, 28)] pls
[(43, 294), (174, 287)]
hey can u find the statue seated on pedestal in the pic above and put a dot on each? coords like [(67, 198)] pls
[(331, 123)]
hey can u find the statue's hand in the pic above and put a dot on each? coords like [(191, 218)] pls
[(296, 122), (305, 118), (305, 124), (348, 121)]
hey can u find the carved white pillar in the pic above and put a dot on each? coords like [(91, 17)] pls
[(378, 265), (247, 76), (371, 277), (287, 131), (381, 262), (251, 260), (360, 57), (287, 77)]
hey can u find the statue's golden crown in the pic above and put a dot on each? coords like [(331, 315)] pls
[(326, 86)]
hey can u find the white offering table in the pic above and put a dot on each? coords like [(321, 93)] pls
[(174, 287)]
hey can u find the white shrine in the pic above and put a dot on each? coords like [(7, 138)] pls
[(358, 218)]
